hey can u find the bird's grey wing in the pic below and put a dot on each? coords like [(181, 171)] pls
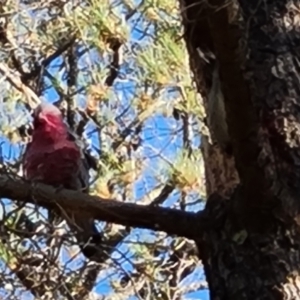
[(85, 230)]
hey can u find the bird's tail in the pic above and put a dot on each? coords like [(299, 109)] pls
[(87, 235)]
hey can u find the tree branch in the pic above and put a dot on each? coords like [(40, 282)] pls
[(48, 60), (171, 221), (115, 45), (163, 195), (15, 81)]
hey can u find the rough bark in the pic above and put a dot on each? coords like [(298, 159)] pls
[(253, 250)]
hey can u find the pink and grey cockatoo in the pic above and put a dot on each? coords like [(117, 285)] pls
[(53, 157)]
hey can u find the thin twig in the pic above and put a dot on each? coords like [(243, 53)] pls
[(72, 71), (47, 61), (164, 194), (15, 81)]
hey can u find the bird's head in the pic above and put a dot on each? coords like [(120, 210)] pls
[(47, 117)]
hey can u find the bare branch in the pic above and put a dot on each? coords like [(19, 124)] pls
[(47, 61), (15, 81), (115, 45), (164, 194), (72, 72), (171, 221)]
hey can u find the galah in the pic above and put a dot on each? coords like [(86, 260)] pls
[(53, 157)]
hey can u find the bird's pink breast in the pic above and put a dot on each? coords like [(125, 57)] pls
[(54, 164)]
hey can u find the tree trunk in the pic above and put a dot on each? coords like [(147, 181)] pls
[(243, 264), (253, 250)]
